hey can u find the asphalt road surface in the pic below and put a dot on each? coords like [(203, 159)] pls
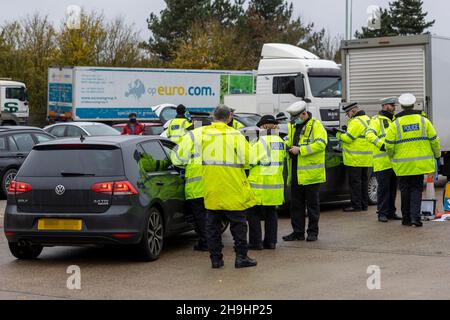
[(413, 264)]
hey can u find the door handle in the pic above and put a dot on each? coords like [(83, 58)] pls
[(160, 184), (20, 155)]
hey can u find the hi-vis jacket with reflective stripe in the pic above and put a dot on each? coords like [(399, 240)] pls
[(237, 125), (412, 144), (266, 175), (188, 153), (311, 160), (376, 135), (225, 157), (357, 150), (177, 129)]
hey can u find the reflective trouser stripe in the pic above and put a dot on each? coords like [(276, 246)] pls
[(264, 186), (412, 159), (193, 179), (380, 155), (317, 166), (224, 164)]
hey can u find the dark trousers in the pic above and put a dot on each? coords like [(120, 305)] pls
[(386, 192), (305, 198), (411, 193), (199, 213), (254, 217), (359, 187), (238, 227)]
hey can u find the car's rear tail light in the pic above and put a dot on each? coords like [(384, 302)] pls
[(103, 187), (117, 188), (16, 187), (124, 188)]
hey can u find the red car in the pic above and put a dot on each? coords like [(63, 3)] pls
[(150, 129)]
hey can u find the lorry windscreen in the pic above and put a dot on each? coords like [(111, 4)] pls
[(326, 86)]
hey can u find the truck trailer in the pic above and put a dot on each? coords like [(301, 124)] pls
[(110, 94), (377, 68)]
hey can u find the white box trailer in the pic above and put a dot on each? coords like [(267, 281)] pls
[(110, 94), (383, 67)]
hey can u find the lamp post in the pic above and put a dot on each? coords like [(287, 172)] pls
[(348, 19)]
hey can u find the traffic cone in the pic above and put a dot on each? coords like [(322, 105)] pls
[(429, 209), (430, 192)]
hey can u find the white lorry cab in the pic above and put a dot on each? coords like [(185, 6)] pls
[(287, 74), (13, 102)]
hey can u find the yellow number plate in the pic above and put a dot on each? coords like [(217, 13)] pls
[(60, 224)]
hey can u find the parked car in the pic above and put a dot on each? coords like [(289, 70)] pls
[(150, 128), (15, 144), (76, 129), (247, 119), (114, 190)]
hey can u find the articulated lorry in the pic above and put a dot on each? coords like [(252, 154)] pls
[(14, 109), (110, 94), (287, 74), (388, 67)]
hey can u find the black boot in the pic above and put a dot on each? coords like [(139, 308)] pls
[(382, 218), (244, 261), (294, 236), (312, 238), (417, 223), (394, 217), (217, 262)]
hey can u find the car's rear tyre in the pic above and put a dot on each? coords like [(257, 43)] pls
[(151, 244), (6, 180), (24, 251), (373, 190)]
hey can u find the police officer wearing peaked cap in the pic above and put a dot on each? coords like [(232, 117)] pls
[(357, 156), (307, 140), (414, 148), (382, 166), (267, 182)]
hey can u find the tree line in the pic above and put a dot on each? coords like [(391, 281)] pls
[(198, 34)]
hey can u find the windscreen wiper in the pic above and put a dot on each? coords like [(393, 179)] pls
[(76, 174)]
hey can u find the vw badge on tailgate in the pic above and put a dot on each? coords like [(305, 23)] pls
[(60, 190)]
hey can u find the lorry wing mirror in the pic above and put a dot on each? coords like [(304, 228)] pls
[(300, 87)]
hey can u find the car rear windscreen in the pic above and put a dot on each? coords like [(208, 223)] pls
[(73, 162)]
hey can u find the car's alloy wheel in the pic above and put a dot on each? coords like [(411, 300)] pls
[(152, 240), (7, 179), (373, 190), (155, 233)]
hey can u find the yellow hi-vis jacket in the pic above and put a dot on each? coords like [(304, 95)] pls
[(188, 153), (237, 125), (177, 129), (412, 144), (376, 134), (225, 157), (311, 160), (266, 175), (357, 150)]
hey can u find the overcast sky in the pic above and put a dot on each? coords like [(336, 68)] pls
[(324, 13)]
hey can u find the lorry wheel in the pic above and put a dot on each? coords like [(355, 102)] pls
[(373, 190), (6, 180), (24, 251)]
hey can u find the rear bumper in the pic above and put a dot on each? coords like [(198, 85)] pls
[(119, 225)]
